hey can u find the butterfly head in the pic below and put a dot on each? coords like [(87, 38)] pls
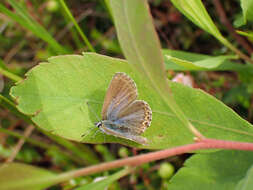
[(98, 124)]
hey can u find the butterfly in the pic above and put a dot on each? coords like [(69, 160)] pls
[(122, 115)]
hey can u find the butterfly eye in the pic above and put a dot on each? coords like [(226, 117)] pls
[(98, 124)]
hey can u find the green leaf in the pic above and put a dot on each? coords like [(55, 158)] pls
[(246, 183), (103, 184), (196, 12), (15, 176), (194, 57), (214, 62), (219, 170), (247, 7), (55, 95), (208, 63), (183, 63)]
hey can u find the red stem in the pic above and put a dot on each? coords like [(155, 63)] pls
[(144, 158)]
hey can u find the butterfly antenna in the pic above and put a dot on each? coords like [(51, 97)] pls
[(93, 111), (89, 131), (94, 135), (104, 137)]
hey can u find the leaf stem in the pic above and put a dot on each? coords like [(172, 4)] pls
[(10, 75), (234, 49)]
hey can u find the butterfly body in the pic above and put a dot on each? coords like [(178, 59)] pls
[(122, 115)]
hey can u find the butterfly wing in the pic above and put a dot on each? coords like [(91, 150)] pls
[(121, 92), (135, 118), (122, 115)]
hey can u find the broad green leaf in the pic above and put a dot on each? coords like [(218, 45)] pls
[(194, 57), (15, 176), (247, 7), (142, 49), (208, 63), (219, 170), (247, 182), (55, 95), (103, 184), (248, 34)]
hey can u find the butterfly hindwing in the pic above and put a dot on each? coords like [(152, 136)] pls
[(136, 117)]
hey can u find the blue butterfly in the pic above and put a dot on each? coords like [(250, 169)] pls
[(122, 115)]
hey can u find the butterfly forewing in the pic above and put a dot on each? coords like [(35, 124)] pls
[(121, 92)]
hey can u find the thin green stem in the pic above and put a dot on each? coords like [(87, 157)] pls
[(7, 101), (85, 39), (10, 75), (107, 6), (234, 49)]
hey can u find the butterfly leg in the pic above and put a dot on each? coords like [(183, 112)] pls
[(94, 135), (104, 137), (91, 109), (94, 113), (84, 135)]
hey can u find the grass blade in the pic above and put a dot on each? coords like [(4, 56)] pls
[(85, 39)]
